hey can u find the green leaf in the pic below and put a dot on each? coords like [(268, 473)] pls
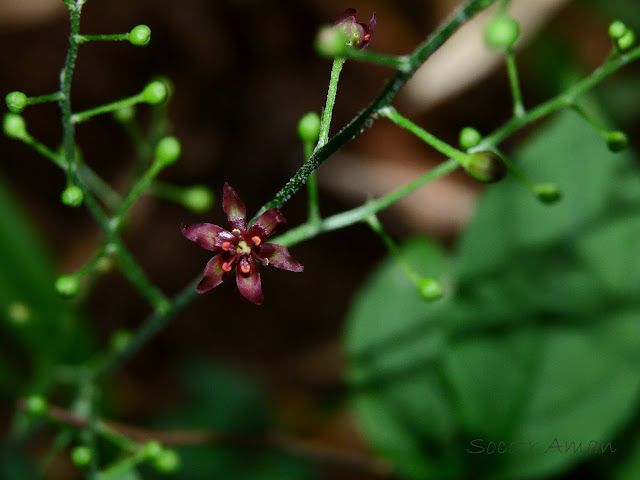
[(540, 343)]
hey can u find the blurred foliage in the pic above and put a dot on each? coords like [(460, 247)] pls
[(32, 313), (540, 339), (223, 401)]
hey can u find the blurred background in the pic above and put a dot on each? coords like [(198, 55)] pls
[(243, 73)]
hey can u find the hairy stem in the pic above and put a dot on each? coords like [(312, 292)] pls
[(366, 116), (68, 131)]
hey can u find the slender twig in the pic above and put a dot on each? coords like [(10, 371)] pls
[(514, 84), (565, 99), (359, 214), (366, 116), (130, 437), (107, 108), (444, 148), (96, 38)]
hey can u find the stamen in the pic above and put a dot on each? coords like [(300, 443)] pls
[(367, 37), (225, 246), (226, 267), (245, 268), (256, 240)]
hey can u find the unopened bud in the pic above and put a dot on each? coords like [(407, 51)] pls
[(486, 167)]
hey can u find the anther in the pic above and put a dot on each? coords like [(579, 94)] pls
[(236, 231), (226, 267), (245, 268), (256, 240), (225, 246), (367, 37)]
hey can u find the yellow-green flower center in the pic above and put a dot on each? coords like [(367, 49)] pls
[(243, 248)]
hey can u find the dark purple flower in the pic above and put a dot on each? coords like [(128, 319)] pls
[(358, 33), (241, 248)]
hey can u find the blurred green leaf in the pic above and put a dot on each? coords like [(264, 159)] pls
[(222, 401), (14, 465), (26, 286), (540, 341)]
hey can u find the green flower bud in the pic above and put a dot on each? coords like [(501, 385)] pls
[(72, 196), (36, 405), (155, 92), (198, 198), (120, 340), (617, 29), (502, 32), (429, 289), (153, 449), (626, 41), (104, 265), (469, 137), (67, 285), (486, 167), (617, 141), (81, 456), (125, 114), (16, 101), (331, 42), (309, 127), (167, 462), (548, 192), (18, 313), (140, 35), (168, 150), (14, 126)]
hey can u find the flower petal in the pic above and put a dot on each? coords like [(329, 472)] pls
[(249, 283), (279, 257), (348, 13), (234, 208), (267, 223), (213, 274), (372, 24), (207, 235)]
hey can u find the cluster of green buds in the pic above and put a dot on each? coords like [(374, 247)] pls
[(622, 36)]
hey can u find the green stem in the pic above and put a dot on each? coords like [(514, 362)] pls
[(43, 150), (517, 172), (361, 213), (109, 107), (150, 327), (566, 99), (116, 438), (128, 265), (312, 188), (590, 119), (514, 84), (376, 226), (138, 188), (92, 180), (50, 97), (68, 132), (366, 116), (327, 113), (403, 122), (99, 187), (109, 37), (401, 62), (85, 407)]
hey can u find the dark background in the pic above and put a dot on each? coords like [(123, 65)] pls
[(244, 72)]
